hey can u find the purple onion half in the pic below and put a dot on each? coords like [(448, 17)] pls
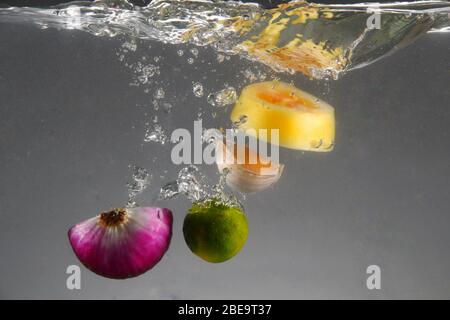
[(123, 243)]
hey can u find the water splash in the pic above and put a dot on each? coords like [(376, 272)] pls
[(140, 181), (194, 52), (254, 75), (240, 121), (197, 88), (190, 182), (223, 97), (193, 184), (159, 93), (155, 132), (317, 40)]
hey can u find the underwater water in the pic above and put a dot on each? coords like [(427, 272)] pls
[(90, 94)]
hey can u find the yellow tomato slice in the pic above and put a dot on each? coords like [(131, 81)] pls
[(304, 121)]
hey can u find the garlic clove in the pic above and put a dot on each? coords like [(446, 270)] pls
[(248, 182), (123, 243), (246, 177)]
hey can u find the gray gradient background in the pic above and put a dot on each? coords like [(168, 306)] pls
[(70, 126)]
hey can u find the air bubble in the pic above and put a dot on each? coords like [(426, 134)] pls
[(140, 181), (223, 97), (194, 52), (159, 93), (198, 90), (242, 119), (155, 133)]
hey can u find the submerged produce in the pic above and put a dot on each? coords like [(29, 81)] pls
[(123, 243), (319, 41), (304, 121), (215, 231), (252, 174)]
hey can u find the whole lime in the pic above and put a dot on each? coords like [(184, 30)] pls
[(214, 231)]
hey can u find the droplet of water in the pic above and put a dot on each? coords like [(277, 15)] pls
[(155, 105), (159, 93), (147, 72), (189, 183), (256, 75), (192, 183), (211, 99), (180, 53), (169, 191), (198, 89), (140, 174), (190, 60), (194, 52), (129, 46), (140, 181), (242, 119), (167, 107), (155, 133), (223, 97)]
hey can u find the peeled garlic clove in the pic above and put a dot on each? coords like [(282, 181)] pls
[(304, 121), (248, 182), (246, 177), (123, 243)]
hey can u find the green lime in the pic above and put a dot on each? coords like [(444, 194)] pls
[(214, 231)]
